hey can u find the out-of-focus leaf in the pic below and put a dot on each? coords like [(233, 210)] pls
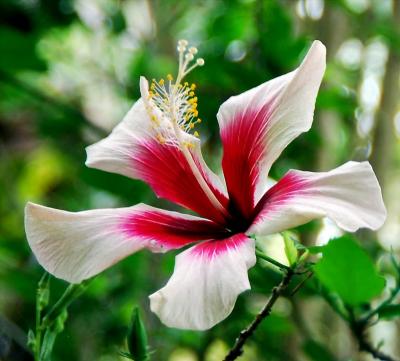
[(317, 352), (390, 311), (45, 168), (18, 51), (348, 270), (118, 23)]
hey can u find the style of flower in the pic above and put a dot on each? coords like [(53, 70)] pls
[(154, 143)]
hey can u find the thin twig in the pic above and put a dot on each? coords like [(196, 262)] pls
[(359, 329), (271, 260), (237, 349), (388, 301), (359, 326), (375, 353), (301, 284)]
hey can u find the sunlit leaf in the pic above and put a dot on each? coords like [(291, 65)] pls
[(347, 269), (290, 249)]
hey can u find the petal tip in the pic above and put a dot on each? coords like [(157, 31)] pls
[(90, 156), (318, 44), (317, 54), (144, 86), (33, 210)]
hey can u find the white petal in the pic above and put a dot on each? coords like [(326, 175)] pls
[(77, 246), (132, 149), (205, 284), (264, 120), (350, 195), (114, 153)]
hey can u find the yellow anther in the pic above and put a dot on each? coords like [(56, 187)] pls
[(199, 120), (191, 125), (189, 145), (186, 83), (196, 134), (191, 93), (193, 86), (170, 77), (161, 82), (194, 106), (160, 138)]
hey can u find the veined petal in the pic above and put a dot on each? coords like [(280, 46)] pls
[(78, 245), (206, 281), (257, 125), (350, 195), (141, 147)]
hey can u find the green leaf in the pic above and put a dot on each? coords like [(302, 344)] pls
[(137, 338), (347, 269), (389, 312), (18, 51), (315, 249), (290, 249)]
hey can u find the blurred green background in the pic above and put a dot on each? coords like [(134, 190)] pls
[(69, 70)]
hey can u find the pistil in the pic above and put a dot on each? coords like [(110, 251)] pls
[(177, 103)]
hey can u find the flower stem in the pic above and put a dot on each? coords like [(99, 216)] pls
[(71, 293), (38, 333), (42, 296), (237, 349), (51, 324)]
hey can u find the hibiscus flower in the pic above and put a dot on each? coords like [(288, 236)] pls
[(156, 142)]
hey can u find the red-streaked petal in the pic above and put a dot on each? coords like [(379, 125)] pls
[(78, 245), (166, 170), (350, 195), (206, 282), (132, 149), (164, 230), (257, 125)]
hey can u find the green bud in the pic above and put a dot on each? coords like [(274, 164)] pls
[(290, 249), (60, 321), (43, 297), (43, 291), (137, 338), (31, 340)]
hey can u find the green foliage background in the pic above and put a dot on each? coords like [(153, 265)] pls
[(69, 70)]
